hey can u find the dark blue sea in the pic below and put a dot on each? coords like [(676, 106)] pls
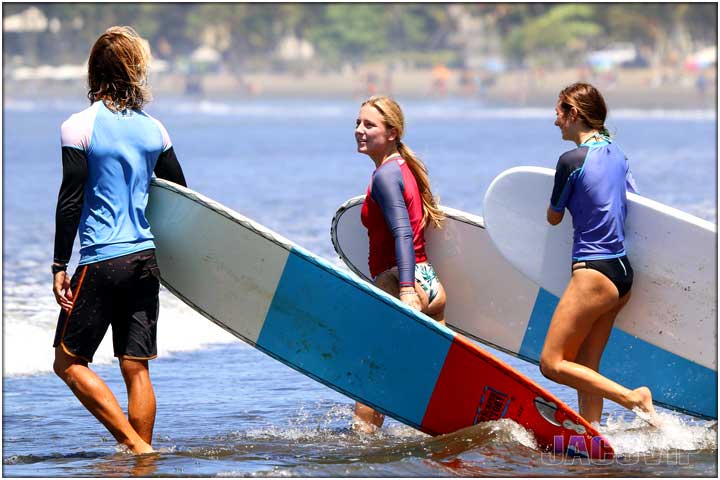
[(226, 409)]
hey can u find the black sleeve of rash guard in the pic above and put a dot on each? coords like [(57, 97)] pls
[(168, 167), (70, 202), (567, 167)]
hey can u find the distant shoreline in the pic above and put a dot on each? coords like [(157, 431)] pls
[(637, 89)]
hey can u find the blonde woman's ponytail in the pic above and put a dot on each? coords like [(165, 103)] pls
[(394, 118), (431, 211)]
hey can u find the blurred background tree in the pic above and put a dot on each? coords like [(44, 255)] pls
[(248, 35)]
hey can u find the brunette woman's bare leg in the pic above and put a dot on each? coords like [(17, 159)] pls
[(588, 297), (590, 354)]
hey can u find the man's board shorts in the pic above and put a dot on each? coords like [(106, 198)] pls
[(618, 270), (426, 277), (122, 292)]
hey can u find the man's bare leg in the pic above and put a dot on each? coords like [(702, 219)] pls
[(95, 395)]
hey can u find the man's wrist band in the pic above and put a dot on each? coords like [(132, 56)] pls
[(55, 268)]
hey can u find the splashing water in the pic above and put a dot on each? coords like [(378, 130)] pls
[(675, 433)]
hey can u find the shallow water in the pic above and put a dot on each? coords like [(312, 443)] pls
[(225, 409), (235, 422)]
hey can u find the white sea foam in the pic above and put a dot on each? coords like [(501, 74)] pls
[(513, 431), (420, 111), (676, 434), (259, 110), (316, 109), (30, 329)]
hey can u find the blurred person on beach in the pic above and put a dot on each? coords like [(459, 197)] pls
[(440, 77), (591, 181), (398, 206), (109, 153)]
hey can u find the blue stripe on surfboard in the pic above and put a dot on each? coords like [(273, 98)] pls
[(675, 382), (340, 332)]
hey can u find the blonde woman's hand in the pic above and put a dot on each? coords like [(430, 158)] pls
[(411, 299)]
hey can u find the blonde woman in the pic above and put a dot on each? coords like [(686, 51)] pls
[(398, 206), (109, 153)]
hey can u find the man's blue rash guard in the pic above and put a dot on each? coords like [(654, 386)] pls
[(591, 181), (387, 191), (108, 159)]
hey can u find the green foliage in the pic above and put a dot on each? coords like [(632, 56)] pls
[(351, 32), (359, 32), (565, 28)]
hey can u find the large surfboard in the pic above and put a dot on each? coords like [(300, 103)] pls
[(674, 294), (490, 301), (342, 332)]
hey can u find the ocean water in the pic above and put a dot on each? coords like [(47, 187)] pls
[(226, 409)]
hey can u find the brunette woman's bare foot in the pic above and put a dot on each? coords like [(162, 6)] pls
[(644, 407)]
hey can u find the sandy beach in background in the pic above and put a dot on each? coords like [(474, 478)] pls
[(636, 88)]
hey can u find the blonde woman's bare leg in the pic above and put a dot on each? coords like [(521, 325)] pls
[(588, 297), (436, 308)]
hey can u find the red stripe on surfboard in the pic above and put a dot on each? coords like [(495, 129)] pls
[(454, 400), (473, 387)]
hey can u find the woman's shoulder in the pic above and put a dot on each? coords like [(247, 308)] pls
[(387, 175), (574, 157), (390, 167)]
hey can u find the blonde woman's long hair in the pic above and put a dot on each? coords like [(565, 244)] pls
[(117, 69), (394, 118)]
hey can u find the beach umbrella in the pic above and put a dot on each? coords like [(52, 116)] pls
[(702, 59)]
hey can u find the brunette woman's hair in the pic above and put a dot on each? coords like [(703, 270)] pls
[(394, 118), (589, 103), (117, 69)]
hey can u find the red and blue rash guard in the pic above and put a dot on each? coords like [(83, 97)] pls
[(393, 214), (591, 181)]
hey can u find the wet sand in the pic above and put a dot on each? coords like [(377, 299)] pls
[(637, 88)]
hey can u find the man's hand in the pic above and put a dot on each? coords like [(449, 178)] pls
[(62, 291)]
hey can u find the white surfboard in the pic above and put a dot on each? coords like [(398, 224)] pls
[(491, 301)]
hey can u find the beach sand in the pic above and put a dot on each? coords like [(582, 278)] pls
[(633, 88)]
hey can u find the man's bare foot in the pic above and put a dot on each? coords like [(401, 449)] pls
[(644, 407), (140, 448)]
